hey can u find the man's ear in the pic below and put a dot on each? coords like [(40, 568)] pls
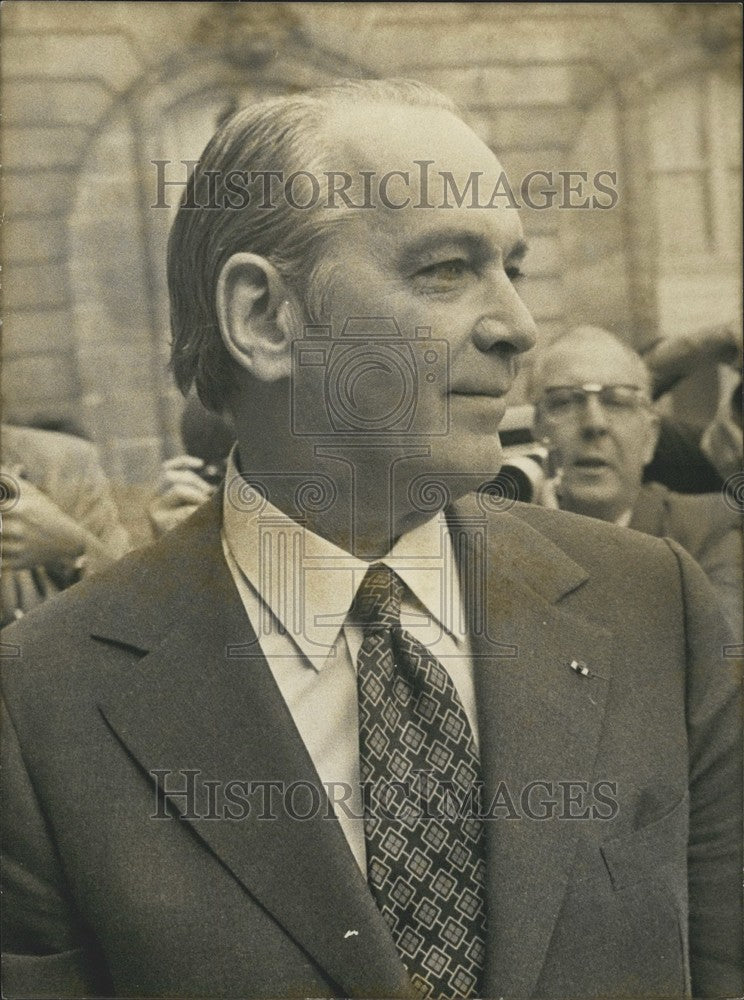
[(255, 316)]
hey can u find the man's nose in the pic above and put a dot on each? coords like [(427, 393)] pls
[(507, 326), (593, 416)]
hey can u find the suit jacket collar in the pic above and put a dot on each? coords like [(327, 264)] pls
[(651, 510), (321, 585), (172, 578), (204, 698)]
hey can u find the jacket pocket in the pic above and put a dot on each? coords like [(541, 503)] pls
[(640, 854), (622, 931)]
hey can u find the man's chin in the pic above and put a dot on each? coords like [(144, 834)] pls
[(464, 468), (598, 503)]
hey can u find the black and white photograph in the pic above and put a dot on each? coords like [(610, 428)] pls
[(371, 500)]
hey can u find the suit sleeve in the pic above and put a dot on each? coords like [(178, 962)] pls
[(715, 761), (44, 944), (721, 561)]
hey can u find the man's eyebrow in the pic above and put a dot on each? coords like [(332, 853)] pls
[(473, 242)]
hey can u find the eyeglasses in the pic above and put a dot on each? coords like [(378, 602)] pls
[(563, 401)]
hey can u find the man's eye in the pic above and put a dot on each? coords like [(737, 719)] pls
[(514, 273), (559, 400), (446, 270)]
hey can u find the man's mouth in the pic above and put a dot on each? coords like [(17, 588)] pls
[(480, 392), (591, 462), (486, 401), (493, 397)]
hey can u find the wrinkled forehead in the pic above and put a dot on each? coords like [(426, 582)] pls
[(602, 361), (426, 155), (385, 137)]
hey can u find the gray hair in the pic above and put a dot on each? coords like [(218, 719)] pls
[(277, 134)]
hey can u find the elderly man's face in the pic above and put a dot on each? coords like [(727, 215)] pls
[(454, 270), (600, 449)]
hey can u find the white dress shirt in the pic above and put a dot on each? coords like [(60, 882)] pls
[(297, 589)]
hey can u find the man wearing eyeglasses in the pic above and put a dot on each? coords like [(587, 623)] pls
[(593, 411)]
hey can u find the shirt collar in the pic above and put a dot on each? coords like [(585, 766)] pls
[(308, 583)]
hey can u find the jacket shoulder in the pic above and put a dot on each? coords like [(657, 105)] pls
[(43, 450), (581, 536), (136, 598)]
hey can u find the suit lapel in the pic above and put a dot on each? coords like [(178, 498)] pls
[(192, 704), (540, 721)]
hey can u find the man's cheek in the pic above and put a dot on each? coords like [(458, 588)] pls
[(560, 451), (354, 292)]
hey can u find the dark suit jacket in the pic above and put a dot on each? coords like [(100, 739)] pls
[(154, 667), (709, 529)]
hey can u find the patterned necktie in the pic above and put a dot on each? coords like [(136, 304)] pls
[(420, 779)]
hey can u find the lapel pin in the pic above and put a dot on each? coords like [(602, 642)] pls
[(580, 667)]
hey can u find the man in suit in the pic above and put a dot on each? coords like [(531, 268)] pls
[(349, 731), (593, 412)]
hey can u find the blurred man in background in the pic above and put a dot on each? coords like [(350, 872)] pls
[(687, 458), (593, 413)]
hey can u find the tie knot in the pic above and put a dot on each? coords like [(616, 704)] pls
[(377, 603)]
